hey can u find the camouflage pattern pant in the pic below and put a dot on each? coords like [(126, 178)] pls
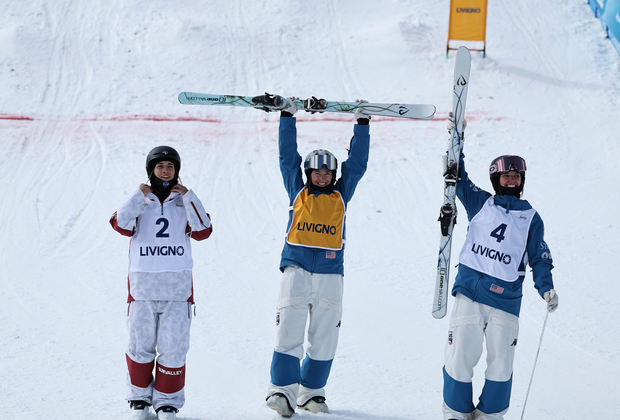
[(158, 345)]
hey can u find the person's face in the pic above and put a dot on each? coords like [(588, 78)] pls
[(510, 179), (321, 177), (164, 170)]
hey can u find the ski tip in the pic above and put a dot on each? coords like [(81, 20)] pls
[(463, 52), (425, 112), (440, 313), (432, 114), (183, 98), (440, 307)]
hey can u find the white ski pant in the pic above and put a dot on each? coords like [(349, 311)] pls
[(470, 324), (158, 339), (313, 301)]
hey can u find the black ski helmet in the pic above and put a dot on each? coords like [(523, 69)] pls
[(318, 159), (504, 164), (163, 153)]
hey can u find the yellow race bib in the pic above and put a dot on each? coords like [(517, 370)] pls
[(318, 221)]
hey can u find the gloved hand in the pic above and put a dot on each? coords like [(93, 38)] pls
[(452, 123), (552, 300), (290, 109), (360, 116)]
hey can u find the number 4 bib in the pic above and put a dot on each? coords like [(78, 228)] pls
[(496, 241)]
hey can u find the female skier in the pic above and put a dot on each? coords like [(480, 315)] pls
[(504, 235), (312, 266), (160, 218)]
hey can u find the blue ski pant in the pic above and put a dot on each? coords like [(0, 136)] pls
[(309, 307)]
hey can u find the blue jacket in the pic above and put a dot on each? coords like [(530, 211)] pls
[(312, 259), (476, 285)]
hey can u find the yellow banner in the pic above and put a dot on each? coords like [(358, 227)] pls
[(468, 20)]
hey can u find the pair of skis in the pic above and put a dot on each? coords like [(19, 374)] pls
[(268, 102), (447, 215)]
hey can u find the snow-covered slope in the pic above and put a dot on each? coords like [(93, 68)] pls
[(89, 87)]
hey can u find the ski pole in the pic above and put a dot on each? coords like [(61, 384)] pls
[(533, 368)]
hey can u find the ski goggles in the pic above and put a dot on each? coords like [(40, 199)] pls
[(319, 158), (505, 164)]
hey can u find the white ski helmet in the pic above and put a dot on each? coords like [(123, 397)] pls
[(319, 159)]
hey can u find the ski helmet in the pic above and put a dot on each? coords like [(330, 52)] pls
[(163, 153), (504, 164), (319, 159)]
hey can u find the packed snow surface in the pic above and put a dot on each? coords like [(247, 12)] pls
[(89, 87)]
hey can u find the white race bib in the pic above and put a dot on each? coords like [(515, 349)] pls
[(160, 242), (496, 241)]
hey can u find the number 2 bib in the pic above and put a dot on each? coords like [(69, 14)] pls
[(160, 242)]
